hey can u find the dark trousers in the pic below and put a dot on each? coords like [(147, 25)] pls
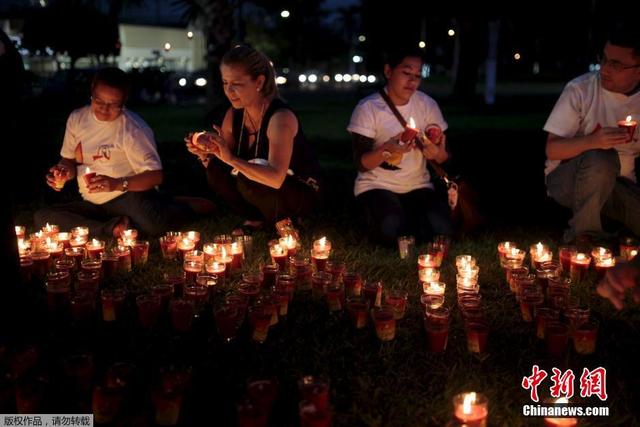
[(258, 202), (422, 213), (149, 212)]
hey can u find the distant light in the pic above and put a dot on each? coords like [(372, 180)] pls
[(357, 59), (189, 34), (48, 50), (355, 77), (363, 78), (337, 77), (182, 82), (346, 77), (371, 79), (312, 78), (43, 3), (362, 38), (536, 68), (302, 78), (426, 71), (201, 81), (594, 67), (516, 56), (285, 70), (280, 80), (422, 44), (167, 46), (285, 14), (326, 78), (451, 32)]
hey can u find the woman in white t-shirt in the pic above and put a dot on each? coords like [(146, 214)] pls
[(393, 185)]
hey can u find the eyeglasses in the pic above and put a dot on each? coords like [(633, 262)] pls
[(613, 64), (110, 106)]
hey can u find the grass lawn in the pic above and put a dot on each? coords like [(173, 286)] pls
[(397, 383)]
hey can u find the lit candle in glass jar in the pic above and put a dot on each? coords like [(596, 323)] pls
[(540, 253), (185, 245), (237, 252), (290, 243), (20, 231), (279, 255), (55, 248), (129, 237), (95, 248), (320, 253), (50, 230), (429, 275), (64, 238), (561, 422), (471, 409), (434, 288), (80, 231), (579, 266)]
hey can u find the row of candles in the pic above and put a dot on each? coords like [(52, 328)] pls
[(283, 253)]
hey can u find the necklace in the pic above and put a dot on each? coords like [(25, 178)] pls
[(255, 132)]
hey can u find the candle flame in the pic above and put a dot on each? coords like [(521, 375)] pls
[(563, 400), (223, 251), (290, 241), (628, 119), (18, 229), (95, 242), (633, 254), (88, 171), (469, 399), (581, 257), (412, 123), (539, 247), (322, 242)]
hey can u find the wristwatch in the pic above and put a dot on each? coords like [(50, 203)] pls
[(125, 184)]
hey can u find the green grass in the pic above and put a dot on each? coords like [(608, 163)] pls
[(398, 383)]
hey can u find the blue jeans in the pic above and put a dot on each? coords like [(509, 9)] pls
[(421, 213), (149, 212), (589, 185)]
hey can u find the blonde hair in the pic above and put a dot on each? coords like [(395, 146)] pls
[(255, 64)]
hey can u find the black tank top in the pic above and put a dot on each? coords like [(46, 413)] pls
[(304, 162)]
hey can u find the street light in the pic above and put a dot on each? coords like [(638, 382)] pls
[(516, 56), (357, 59), (167, 46), (362, 38), (189, 35), (422, 44), (285, 14), (451, 32)]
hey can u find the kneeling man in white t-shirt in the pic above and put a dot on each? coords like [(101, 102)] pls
[(593, 143), (112, 153)]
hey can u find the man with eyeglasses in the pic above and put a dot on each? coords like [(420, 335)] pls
[(112, 152), (590, 164)]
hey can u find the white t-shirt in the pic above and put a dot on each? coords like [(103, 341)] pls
[(119, 148), (374, 119), (583, 106)]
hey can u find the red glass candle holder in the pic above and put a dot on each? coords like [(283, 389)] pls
[(471, 409), (384, 322), (544, 315), (227, 321), (437, 336), (358, 310), (320, 281), (260, 319), (112, 304), (556, 338), (182, 312), (311, 416), (168, 404), (263, 392), (106, 404), (528, 303), (140, 253), (149, 307), (585, 338), (352, 283), (397, 300), (477, 335), (373, 292), (315, 389), (630, 126), (335, 297), (82, 307)]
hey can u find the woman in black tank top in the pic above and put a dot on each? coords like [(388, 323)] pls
[(259, 160)]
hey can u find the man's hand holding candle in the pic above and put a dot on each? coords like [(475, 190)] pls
[(59, 174)]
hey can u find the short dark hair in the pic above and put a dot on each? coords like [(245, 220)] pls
[(112, 77), (395, 57), (625, 34)]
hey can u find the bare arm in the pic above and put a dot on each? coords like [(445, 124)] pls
[(139, 182), (559, 148), (283, 127), (367, 157)]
